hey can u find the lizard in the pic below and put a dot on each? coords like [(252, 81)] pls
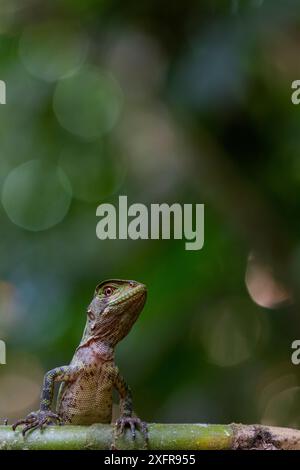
[(87, 383)]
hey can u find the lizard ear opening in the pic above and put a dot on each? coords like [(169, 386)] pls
[(90, 314), (112, 284)]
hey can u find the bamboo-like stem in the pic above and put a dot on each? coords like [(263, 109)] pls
[(161, 437)]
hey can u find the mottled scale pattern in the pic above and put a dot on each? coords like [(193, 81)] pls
[(88, 399)]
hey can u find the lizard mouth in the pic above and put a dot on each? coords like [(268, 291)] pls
[(133, 294)]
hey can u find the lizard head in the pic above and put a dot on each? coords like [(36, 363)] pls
[(114, 309)]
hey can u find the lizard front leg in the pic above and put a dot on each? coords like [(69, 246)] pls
[(44, 416), (126, 410)]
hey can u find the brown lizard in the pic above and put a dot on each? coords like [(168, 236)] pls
[(85, 395)]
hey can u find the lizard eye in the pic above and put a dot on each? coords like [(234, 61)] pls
[(108, 291)]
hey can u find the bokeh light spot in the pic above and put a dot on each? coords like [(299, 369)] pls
[(52, 50), (36, 196), (154, 146), (283, 408), (8, 306), (137, 62), (230, 332), (103, 171), (20, 385), (264, 289), (11, 396), (89, 103)]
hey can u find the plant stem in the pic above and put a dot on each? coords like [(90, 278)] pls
[(161, 437)]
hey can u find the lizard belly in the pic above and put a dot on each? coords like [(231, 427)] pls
[(88, 399)]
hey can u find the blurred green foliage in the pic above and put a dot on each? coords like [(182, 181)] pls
[(164, 102)]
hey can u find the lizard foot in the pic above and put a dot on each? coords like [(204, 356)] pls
[(37, 419), (134, 423)]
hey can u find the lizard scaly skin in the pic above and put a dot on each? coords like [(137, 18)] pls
[(85, 395)]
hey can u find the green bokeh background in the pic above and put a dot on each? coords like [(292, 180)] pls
[(185, 102)]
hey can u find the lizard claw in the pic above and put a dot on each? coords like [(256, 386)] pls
[(37, 419), (134, 423)]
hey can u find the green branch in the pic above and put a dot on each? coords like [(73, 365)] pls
[(161, 437)]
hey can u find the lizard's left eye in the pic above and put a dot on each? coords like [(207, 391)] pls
[(108, 291)]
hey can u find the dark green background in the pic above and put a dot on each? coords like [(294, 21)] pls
[(195, 108)]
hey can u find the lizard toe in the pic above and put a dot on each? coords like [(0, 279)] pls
[(134, 423), (38, 419), (29, 419)]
